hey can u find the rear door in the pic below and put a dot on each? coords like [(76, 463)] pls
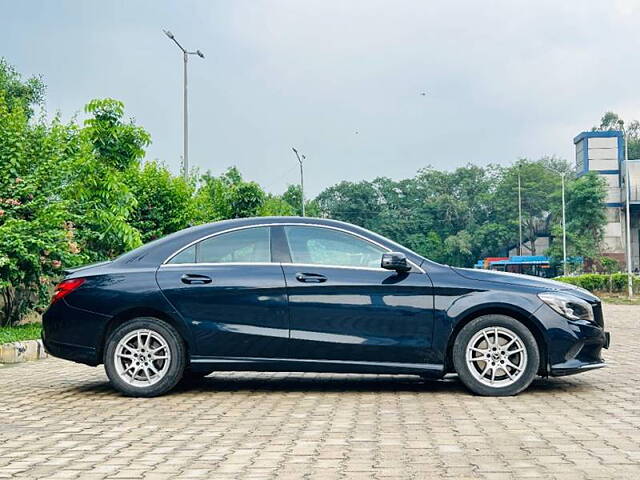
[(343, 306), (231, 294)]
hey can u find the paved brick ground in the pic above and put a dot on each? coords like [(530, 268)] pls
[(62, 420)]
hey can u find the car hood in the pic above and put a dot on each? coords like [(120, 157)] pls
[(520, 280)]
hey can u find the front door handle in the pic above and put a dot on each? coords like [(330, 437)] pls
[(310, 277), (194, 279)]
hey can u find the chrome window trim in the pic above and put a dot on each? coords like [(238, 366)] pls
[(344, 267), (285, 224), (216, 264)]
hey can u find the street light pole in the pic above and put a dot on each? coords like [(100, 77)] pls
[(301, 176), (564, 219), (627, 187), (564, 229), (185, 126), (185, 57), (519, 215)]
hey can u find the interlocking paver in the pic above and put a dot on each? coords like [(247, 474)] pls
[(60, 420)]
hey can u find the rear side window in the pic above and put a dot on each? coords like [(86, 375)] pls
[(249, 245), (188, 255)]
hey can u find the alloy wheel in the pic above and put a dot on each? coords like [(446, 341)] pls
[(142, 358), (496, 356)]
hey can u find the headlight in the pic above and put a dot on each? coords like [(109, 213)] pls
[(568, 306)]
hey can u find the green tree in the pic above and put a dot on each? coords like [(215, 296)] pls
[(36, 234), (612, 121), (540, 190), (275, 205), (19, 93), (103, 201), (586, 218), (228, 196), (293, 196), (163, 201)]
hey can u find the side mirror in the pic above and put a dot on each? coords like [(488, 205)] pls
[(395, 261)]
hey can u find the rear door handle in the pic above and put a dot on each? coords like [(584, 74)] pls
[(194, 279), (310, 277)]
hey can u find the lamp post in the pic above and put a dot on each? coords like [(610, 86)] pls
[(519, 216), (185, 57), (627, 188), (301, 176), (564, 221), (564, 229)]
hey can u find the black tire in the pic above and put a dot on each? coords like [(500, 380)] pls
[(176, 363), (530, 363)]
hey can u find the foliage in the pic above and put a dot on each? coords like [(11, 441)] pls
[(608, 264), (472, 212), (275, 205), (599, 282), (228, 196), (612, 121), (19, 333), (70, 194), (36, 235), (18, 93), (585, 220), (103, 201), (163, 201)]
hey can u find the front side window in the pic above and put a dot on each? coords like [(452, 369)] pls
[(324, 246), (249, 245)]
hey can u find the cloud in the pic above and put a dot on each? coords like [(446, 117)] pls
[(504, 79)]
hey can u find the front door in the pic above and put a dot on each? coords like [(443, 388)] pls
[(232, 296), (343, 306)]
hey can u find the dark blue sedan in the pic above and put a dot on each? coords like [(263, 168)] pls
[(301, 294)]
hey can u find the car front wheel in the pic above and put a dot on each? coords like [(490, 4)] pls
[(496, 355), (144, 357)]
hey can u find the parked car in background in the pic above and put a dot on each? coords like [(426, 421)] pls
[(302, 294)]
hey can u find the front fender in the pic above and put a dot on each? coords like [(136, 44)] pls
[(457, 300)]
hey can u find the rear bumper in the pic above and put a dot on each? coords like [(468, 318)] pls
[(75, 353), (71, 333)]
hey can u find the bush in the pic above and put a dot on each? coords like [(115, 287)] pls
[(598, 282)]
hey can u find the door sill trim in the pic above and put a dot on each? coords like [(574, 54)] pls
[(290, 364)]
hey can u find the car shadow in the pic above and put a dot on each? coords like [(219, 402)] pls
[(336, 383)]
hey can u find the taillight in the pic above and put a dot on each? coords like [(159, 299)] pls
[(65, 287)]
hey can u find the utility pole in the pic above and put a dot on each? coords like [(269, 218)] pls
[(564, 220), (564, 230), (301, 176), (627, 187), (185, 58), (519, 215)]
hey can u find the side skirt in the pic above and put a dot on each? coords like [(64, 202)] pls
[(311, 365)]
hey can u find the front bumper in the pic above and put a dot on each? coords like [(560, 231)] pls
[(572, 346), (584, 355)]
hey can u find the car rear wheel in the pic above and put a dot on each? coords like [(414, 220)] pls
[(144, 357), (496, 355)]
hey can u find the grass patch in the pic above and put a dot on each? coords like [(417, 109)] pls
[(619, 299), (30, 331)]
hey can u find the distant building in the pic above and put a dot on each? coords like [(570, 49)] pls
[(541, 243), (603, 153)]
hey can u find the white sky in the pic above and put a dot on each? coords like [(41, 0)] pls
[(504, 79)]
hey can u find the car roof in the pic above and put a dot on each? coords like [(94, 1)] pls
[(157, 251)]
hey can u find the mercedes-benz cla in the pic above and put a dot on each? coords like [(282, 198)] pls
[(302, 294)]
